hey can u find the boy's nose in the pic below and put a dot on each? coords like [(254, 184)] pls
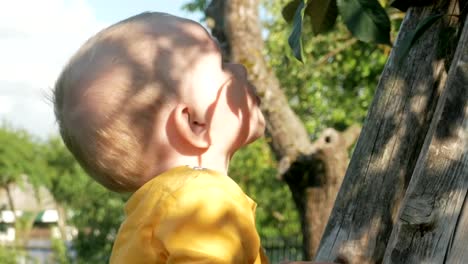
[(242, 69), (239, 69)]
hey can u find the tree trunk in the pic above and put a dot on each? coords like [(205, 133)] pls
[(11, 203), (388, 148), (314, 181), (312, 170), (62, 221)]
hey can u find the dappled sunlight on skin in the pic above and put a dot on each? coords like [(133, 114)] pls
[(171, 58), (120, 76), (178, 143)]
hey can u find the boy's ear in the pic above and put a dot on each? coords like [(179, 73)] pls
[(193, 130)]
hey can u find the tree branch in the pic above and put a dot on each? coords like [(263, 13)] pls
[(335, 52)]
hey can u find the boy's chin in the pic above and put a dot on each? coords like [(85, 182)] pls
[(258, 133)]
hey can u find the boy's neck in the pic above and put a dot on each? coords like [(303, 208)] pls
[(216, 162)]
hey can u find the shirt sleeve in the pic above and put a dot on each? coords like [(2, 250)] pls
[(209, 225)]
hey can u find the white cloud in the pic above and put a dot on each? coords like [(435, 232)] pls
[(6, 105), (36, 40)]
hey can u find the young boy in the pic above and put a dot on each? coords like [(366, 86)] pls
[(148, 106)]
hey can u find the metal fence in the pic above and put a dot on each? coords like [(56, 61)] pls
[(279, 249)]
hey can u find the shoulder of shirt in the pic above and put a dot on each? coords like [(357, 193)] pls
[(205, 184), (187, 183)]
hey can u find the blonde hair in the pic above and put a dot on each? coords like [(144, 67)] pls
[(109, 136)]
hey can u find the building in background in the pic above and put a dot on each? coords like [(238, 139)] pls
[(36, 222)]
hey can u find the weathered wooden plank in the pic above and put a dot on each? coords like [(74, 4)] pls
[(458, 252), (387, 150), (430, 217)]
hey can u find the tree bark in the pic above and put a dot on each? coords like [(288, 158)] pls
[(391, 141), (312, 170), (315, 179)]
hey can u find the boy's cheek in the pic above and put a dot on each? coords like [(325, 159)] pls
[(258, 125)]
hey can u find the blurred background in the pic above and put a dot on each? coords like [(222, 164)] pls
[(52, 212)]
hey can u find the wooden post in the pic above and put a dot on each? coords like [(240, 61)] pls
[(389, 146), (431, 217)]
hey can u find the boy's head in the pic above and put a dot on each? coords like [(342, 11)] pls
[(149, 93)]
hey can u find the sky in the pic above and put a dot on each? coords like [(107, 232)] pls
[(36, 40)]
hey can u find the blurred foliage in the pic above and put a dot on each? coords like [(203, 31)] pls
[(93, 210), (60, 254), (8, 255), (335, 87), (20, 161), (254, 169), (196, 6), (23, 226), (18, 145)]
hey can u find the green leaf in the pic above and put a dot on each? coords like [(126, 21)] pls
[(289, 10), (195, 6), (295, 40), (366, 19), (322, 13), (408, 41), (403, 5)]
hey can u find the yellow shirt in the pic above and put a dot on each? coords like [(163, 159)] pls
[(188, 215)]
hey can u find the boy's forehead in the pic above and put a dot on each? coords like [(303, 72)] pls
[(182, 36), (194, 30)]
